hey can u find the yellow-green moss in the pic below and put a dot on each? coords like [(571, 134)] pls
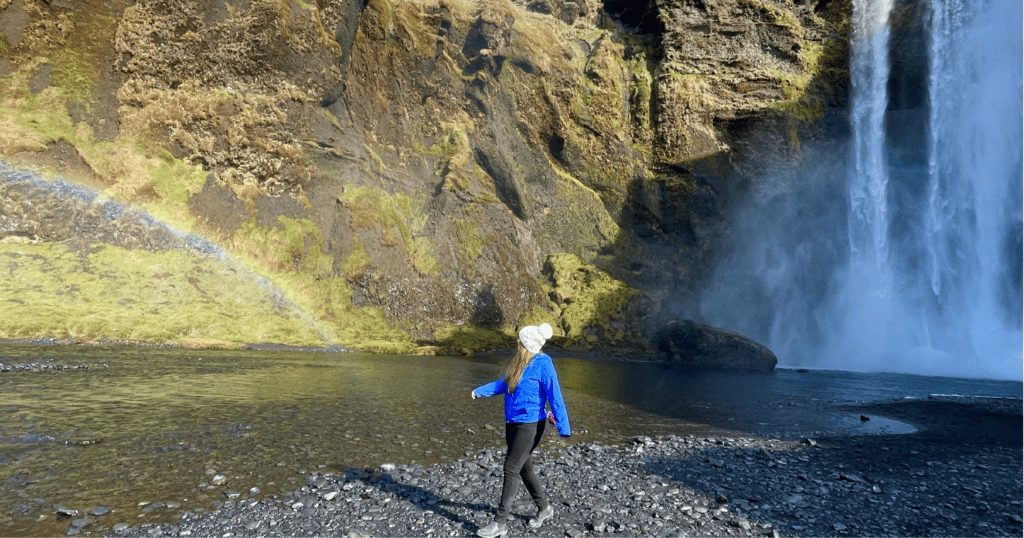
[(539, 42), (586, 214), (399, 214), (358, 260), (776, 16), (805, 94), (108, 292), (470, 239), (377, 161), (294, 259), (424, 258), (538, 315), (587, 296), (137, 169), (76, 77), (176, 181), (456, 339)]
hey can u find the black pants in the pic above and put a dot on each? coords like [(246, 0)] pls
[(521, 439)]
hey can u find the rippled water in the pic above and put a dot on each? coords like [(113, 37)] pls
[(146, 425)]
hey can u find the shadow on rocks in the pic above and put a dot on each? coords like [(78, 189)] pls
[(403, 482), (941, 481)]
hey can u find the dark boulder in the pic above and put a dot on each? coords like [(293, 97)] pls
[(698, 346)]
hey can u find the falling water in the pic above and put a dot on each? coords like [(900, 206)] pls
[(973, 219), (947, 300), (900, 248), (869, 74), (869, 278)]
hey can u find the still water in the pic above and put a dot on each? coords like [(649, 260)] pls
[(153, 425)]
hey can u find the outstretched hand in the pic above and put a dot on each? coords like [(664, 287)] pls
[(472, 394)]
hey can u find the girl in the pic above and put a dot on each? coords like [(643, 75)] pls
[(529, 383)]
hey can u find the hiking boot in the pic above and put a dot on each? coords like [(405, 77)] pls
[(542, 516), (493, 530)]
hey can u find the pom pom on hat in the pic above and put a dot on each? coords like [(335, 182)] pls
[(533, 336)]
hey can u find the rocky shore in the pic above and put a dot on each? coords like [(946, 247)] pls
[(959, 475), (38, 366)]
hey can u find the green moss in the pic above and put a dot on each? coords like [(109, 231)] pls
[(73, 75), (424, 258), (582, 226), (299, 267), (176, 181), (372, 208), (587, 296), (107, 292), (396, 216), (538, 315), (539, 43), (288, 257), (459, 338), (358, 260), (776, 16), (470, 239), (640, 88), (44, 113), (826, 70)]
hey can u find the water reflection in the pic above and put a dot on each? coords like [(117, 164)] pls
[(144, 425)]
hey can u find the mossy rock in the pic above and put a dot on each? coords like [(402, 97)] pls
[(591, 302), (466, 339)]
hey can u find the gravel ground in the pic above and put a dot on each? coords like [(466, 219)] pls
[(959, 475)]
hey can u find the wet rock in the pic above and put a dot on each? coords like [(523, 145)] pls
[(99, 511), (238, 430), (30, 438), (699, 346), (67, 512), (762, 487)]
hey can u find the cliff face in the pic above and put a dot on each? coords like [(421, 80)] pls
[(421, 159)]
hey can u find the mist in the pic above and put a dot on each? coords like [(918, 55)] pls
[(898, 249)]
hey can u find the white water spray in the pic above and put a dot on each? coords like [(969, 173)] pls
[(974, 182), (946, 314), (869, 179), (906, 256)]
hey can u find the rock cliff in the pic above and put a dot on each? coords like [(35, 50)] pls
[(425, 162)]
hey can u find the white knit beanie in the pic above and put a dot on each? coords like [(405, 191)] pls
[(533, 337)]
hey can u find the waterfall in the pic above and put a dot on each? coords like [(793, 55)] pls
[(869, 75), (973, 217), (942, 294), (899, 249), (945, 298)]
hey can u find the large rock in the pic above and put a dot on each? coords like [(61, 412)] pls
[(708, 348)]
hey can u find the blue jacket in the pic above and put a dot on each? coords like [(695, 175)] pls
[(538, 386)]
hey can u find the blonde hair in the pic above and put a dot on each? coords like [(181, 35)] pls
[(514, 373)]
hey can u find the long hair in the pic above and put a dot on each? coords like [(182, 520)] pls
[(514, 373)]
